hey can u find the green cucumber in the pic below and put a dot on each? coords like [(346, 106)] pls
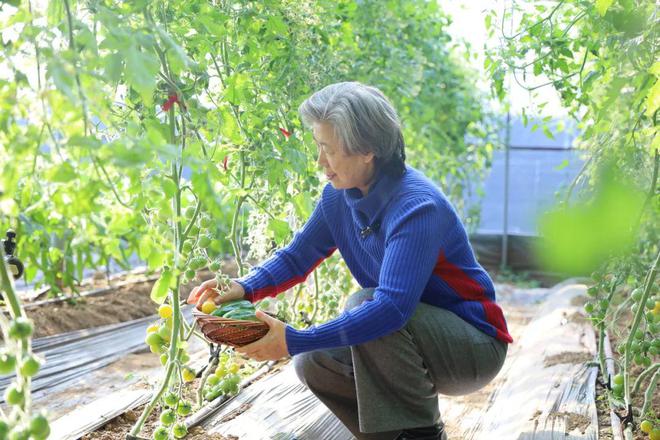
[(226, 308), (247, 315)]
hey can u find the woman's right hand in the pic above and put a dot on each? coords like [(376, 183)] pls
[(208, 291)]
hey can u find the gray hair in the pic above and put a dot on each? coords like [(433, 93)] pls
[(363, 120)]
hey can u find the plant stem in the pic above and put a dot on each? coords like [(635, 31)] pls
[(209, 370), (636, 320), (642, 376), (648, 395)]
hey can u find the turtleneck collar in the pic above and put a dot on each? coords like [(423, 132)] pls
[(380, 192)]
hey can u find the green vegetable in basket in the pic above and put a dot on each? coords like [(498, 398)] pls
[(240, 304), (243, 314)]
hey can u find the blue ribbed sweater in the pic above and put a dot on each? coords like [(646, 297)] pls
[(418, 252)]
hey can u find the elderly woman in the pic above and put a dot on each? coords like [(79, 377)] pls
[(426, 321)]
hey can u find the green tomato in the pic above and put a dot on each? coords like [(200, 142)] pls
[(205, 221), (184, 408), (189, 212), (14, 395), (637, 294), (30, 366), (592, 291), (180, 430), (7, 363), (197, 263), (215, 266), (171, 399), (190, 274), (212, 380), (20, 328), (154, 339), (19, 433), (187, 246), (4, 429), (161, 433), (163, 359), (39, 428), (167, 417), (617, 390), (204, 241), (157, 349), (165, 333), (589, 308), (618, 379)]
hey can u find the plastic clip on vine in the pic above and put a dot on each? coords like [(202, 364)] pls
[(15, 265)]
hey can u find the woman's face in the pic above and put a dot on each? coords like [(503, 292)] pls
[(343, 170)]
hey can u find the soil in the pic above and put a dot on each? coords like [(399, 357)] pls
[(119, 427), (126, 302), (567, 357)]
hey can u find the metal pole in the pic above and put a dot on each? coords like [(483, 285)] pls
[(505, 221)]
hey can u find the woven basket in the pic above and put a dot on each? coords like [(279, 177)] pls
[(233, 332)]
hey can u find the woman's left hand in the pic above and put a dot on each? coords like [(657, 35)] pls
[(272, 346)]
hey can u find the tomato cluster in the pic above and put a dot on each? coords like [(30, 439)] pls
[(194, 249), (14, 360), (224, 380), (174, 407)]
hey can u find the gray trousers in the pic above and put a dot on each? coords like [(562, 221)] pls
[(392, 383)]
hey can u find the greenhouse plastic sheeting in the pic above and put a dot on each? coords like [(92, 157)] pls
[(74, 354), (279, 407)]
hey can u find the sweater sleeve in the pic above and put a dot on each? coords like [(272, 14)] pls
[(292, 264), (412, 245)]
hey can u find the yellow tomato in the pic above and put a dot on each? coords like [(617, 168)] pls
[(165, 311), (152, 328), (234, 368), (209, 307), (656, 309), (188, 374), (220, 371)]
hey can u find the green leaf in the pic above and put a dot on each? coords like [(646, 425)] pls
[(562, 165), (145, 247), (547, 132), (62, 173), (653, 99), (169, 187), (114, 65), (161, 287), (280, 228), (603, 5), (237, 88), (141, 70)]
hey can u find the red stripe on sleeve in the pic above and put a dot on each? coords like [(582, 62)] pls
[(459, 281), (495, 317), (264, 292)]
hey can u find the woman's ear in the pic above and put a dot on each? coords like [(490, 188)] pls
[(369, 157)]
